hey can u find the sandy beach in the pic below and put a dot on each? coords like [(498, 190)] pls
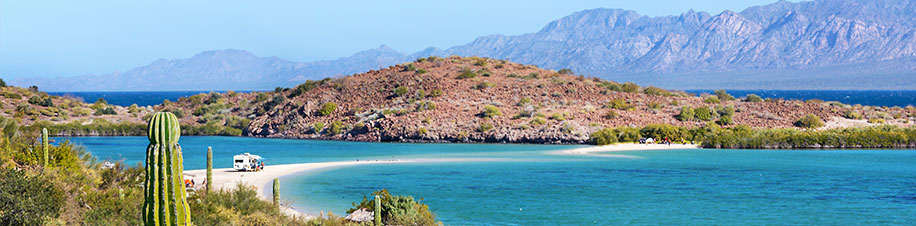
[(227, 178)]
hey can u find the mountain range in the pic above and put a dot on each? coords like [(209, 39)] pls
[(824, 44)]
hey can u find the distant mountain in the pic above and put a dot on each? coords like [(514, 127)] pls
[(837, 44)]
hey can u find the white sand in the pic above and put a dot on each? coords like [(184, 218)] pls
[(227, 178)]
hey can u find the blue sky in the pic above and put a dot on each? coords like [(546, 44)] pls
[(67, 38)]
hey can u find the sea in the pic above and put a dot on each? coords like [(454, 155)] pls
[(889, 98), (516, 184)]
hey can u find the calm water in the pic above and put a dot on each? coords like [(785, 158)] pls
[(890, 98), (525, 185), (127, 98)]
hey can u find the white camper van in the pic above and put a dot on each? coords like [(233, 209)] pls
[(246, 162)]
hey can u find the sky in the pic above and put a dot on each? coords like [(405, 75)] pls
[(68, 38)]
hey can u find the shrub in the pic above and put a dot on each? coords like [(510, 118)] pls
[(27, 200), (398, 210), (327, 109), (558, 116), (652, 90), (425, 105), (317, 127), (852, 114), (726, 110), (611, 114), (876, 121), (722, 95), (483, 85), (537, 120), (484, 126), (106, 111), (629, 87), (655, 105), (712, 100), (619, 104), (133, 108), (686, 114), (753, 98), (565, 71), (490, 111), (337, 127), (400, 91), (466, 73), (604, 136), (705, 114), (724, 120), (435, 93), (525, 101), (809, 121), (261, 97)]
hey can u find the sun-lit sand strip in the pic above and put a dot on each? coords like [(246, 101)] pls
[(227, 178), (624, 147)]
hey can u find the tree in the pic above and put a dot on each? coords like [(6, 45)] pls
[(809, 121), (686, 114)]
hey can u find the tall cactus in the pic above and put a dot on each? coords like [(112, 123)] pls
[(44, 144), (277, 192), (166, 202), (378, 211), (209, 168)]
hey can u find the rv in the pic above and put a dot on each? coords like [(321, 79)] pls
[(247, 162)]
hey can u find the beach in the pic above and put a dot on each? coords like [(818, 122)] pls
[(228, 178)]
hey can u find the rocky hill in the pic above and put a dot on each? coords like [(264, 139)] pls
[(485, 100), (452, 99), (822, 44)]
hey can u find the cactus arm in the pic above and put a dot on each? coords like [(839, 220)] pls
[(44, 144), (209, 168), (378, 210), (277, 192)]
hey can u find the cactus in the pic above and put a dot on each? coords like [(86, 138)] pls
[(378, 210), (165, 202), (44, 144), (277, 192), (209, 168)]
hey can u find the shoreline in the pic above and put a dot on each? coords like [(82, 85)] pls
[(228, 178)]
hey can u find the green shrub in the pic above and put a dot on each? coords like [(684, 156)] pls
[(398, 210), (722, 95), (724, 120), (483, 85), (466, 73), (490, 111), (484, 126), (611, 114), (712, 100), (558, 116), (686, 114), (435, 93), (809, 121), (604, 136), (753, 98), (27, 200), (629, 87), (537, 120), (565, 71), (652, 90), (876, 121), (852, 114), (337, 127), (705, 114), (105, 111), (619, 104), (425, 105), (400, 91), (317, 127), (525, 101), (327, 109)]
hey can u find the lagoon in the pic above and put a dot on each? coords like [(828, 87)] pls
[(529, 185)]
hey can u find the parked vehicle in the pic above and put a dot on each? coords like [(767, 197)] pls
[(247, 162)]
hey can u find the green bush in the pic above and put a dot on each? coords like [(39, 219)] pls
[(753, 98), (484, 126), (629, 87), (525, 101), (27, 200), (398, 210), (604, 136), (337, 127), (558, 116), (852, 114), (317, 127), (652, 90), (724, 120), (565, 71), (686, 114), (425, 105), (610, 114), (435, 93), (712, 100), (466, 73), (327, 109), (809, 121), (490, 111), (705, 114), (537, 120), (619, 104), (105, 111), (722, 95), (400, 91)]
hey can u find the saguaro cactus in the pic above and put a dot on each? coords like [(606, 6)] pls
[(165, 202), (378, 210), (44, 144), (277, 192), (209, 168)]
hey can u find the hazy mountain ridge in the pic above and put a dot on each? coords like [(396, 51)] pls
[(783, 45)]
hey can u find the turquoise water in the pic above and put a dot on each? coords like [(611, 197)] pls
[(526, 185)]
